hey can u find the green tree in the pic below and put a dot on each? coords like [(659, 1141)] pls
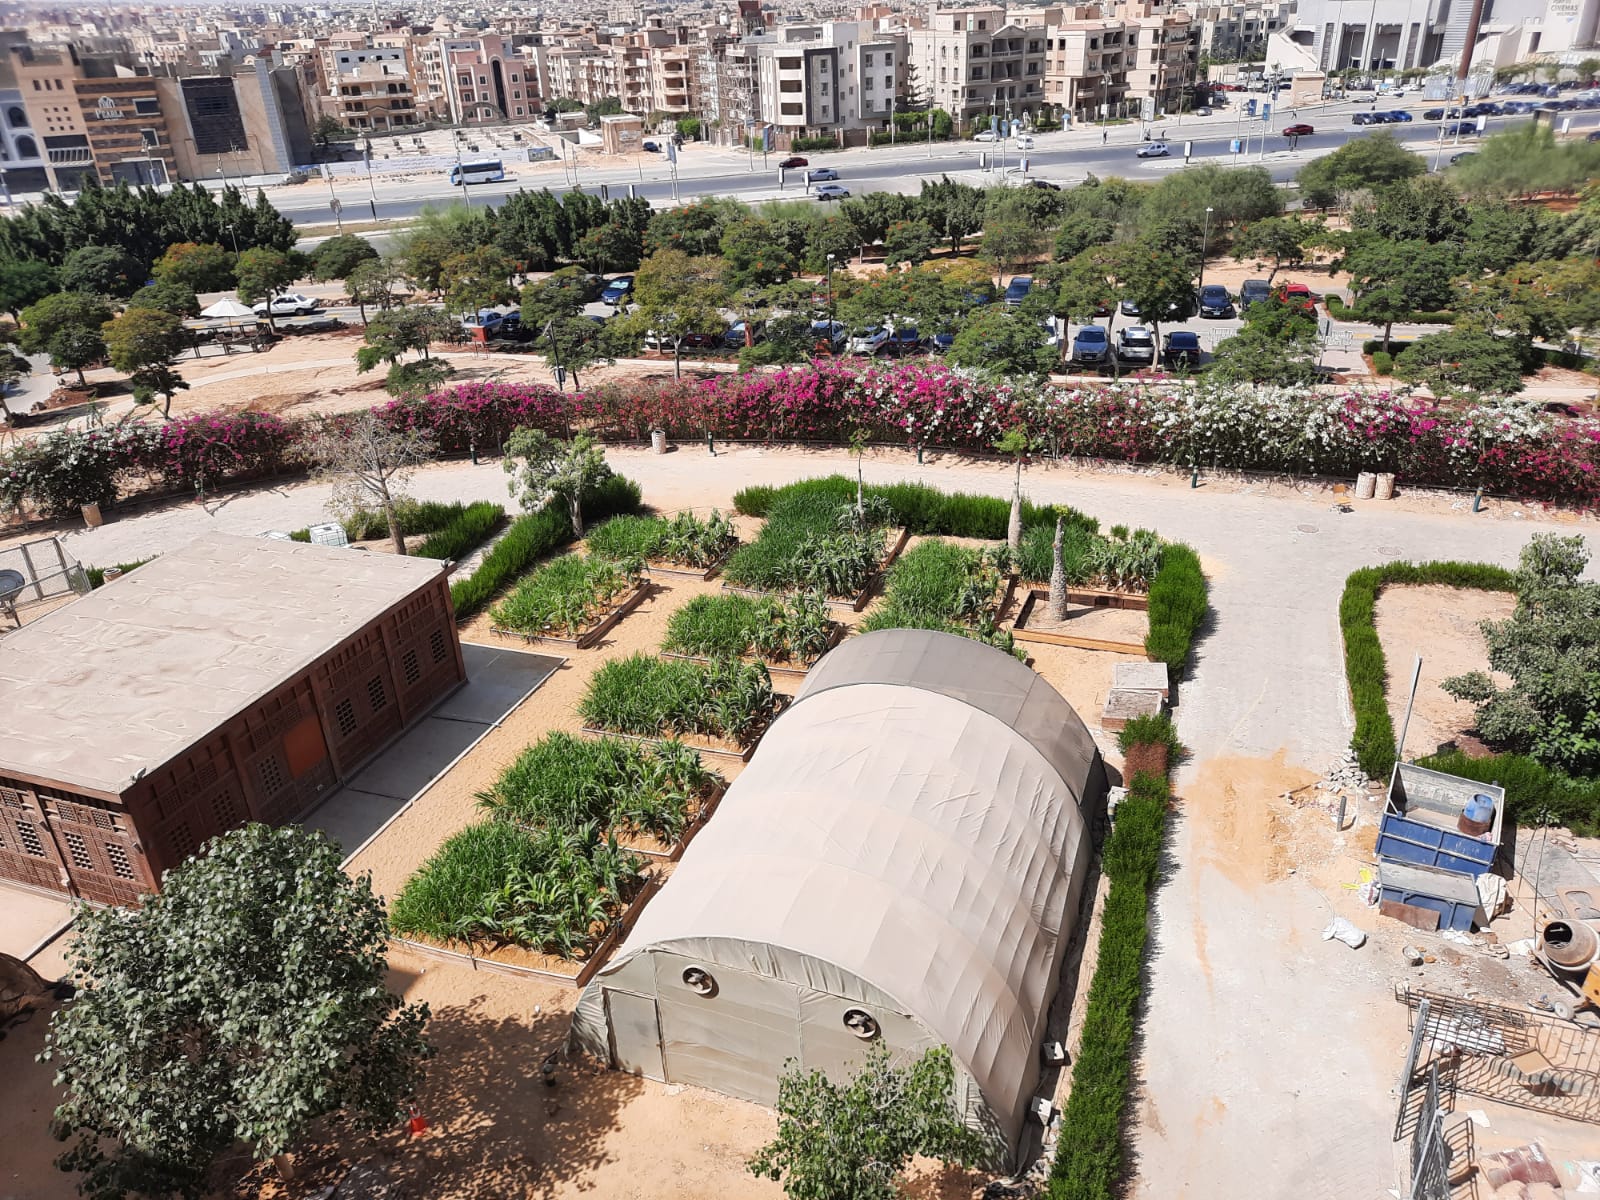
[(246, 1001), (1392, 280), (1254, 355), (263, 273), (910, 241), (1527, 159), (141, 343), (832, 234), (389, 335), (327, 129), (478, 279), (1012, 237), (201, 267), (1418, 210), (755, 257), (103, 270), (373, 281), (1234, 194), (1004, 341), (166, 295), (677, 296), (66, 326), (1156, 279), (693, 229), (338, 256), (853, 1140), (955, 210), (368, 461), (1550, 650), (1080, 231), (606, 106), (1361, 163), (1464, 360), (614, 246), (543, 468), (23, 282), (417, 379), (1283, 240)]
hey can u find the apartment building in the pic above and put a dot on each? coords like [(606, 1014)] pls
[(44, 76), (22, 165), (813, 80), (478, 80), (1086, 65), (370, 89), (977, 62), (1337, 34), (1161, 56), (1231, 32)]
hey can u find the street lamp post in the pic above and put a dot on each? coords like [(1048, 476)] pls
[(1205, 236), (830, 297)]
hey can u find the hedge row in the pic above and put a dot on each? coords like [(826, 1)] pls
[(464, 533), (1533, 790), (1177, 607), (536, 535), (1365, 670), (1340, 311), (1090, 1155), (921, 508)]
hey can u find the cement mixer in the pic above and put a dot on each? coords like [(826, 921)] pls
[(1568, 947)]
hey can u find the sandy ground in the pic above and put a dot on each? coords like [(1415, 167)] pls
[(1442, 625)]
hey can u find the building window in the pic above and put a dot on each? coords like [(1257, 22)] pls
[(888, 83), (345, 713), (519, 112), (867, 60), (411, 667), (16, 118), (514, 77), (120, 866), (375, 694), (149, 107), (79, 851), (867, 86), (982, 25), (36, 85), (888, 60)]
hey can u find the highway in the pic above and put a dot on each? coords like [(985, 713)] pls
[(1064, 157)]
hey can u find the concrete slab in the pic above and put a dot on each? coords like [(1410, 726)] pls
[(30, 918), (497, 681)]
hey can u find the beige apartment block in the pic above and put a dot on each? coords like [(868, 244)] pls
[(977, 62)]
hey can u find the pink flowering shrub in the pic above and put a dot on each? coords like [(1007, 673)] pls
[(1505, 446)]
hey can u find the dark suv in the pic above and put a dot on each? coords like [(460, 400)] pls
[(1254, 291), (1182, 349)]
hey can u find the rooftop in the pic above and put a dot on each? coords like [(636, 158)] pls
[(123, 679)]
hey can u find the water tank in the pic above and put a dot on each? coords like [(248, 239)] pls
[(331, 534)]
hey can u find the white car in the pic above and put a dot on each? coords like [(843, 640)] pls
[(287, 304), (1024, 141), (1154, 150), (987, 135)]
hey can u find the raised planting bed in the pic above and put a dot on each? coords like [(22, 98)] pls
[(787, 635), (955, 589), (719, 707), (551, 891), (683, 545), (650, 798), (573, 600), (812, 541), (1033, 611), (1102, 570)]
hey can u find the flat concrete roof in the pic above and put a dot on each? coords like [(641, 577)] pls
[(135, 672)]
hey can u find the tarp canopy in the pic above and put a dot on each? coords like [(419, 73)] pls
[(228, 308), (895, 840)]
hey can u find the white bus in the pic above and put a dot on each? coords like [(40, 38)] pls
[(489, 171)]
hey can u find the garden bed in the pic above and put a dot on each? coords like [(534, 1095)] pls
[(853, 603), (684, 545), (721, 707), (572, 600), (786, 635), (721, 747), (952, 588), (1032, 625), (787, 670)]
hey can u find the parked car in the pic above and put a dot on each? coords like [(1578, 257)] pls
[(821, 173), (489, 323), (794, 160), (1091, 345), (1135, 344), (1400, 115), (650, 148), (1298, 130), (1214, 301), (1254, 291), (1203, 111), (870, 342), (1364, 118), (986, 135), (903, 339), (1024, 141), (1017, 290), (1462, 157), (735, 338), (1181, 348), (832, 191), (1129, 308), (1297, 295), (617, 290), (1433, 114), (1464, 128), (829, 337), (287, 304), (1153, 150), (940, 342)]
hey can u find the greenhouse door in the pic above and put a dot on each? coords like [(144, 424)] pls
[(734, 1040), (635, 1034)]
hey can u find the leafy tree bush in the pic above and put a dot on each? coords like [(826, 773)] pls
[(67, 327), (200, 267), (141, 343), (167, 295), (545, 468), (338, 256), (1378, 158), (245, 1001), (24, 282), (102, 270), (909, 241), (1465, 359), (853, 1140), (264, 272), (1550, 647), (1004, 341)]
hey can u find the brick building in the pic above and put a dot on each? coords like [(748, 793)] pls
[(238, 679)]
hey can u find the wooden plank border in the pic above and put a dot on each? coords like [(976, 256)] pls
[(692, 572), (778, 708), (853, 603), (1101, 597), (1022, 633)]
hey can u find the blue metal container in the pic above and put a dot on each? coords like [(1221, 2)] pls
[(1420, 821)]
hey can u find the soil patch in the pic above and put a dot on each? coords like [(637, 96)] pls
[(1442, 624)]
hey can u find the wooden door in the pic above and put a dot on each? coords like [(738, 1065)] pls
[(28, 851)]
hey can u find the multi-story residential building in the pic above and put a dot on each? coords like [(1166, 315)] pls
[(45, 76), (1086, 64), (1160, 55), (1338, 34), (22, 166), (1232, 32), (977, 62), (370, 89), (840, 77), (478, 80)]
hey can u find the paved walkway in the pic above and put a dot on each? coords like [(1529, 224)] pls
[(1260, 1070)]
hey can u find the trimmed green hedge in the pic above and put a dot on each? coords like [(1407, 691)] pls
[(533, 536), (1532, 789), (1177, 607), (921, 508), (1090, 1154), (1365, 670), (464, 533), (1340, 311)]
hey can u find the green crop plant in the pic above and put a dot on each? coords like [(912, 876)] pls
[(811, 540), (652, 697), (781, 630), (567, 595), (684, 540), (1178, 603), (922, 509), (566, 782), (464, 532), (941, 586)]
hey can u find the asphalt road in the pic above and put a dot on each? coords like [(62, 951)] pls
[(1060, 157)]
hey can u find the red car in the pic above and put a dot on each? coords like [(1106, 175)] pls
[(794, 160), (1298, 295), (1295, 131)]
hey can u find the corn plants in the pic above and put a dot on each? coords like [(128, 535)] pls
[(949, 588), (684, 540), (811, 540), (565, 782), (567, 595), (653, 697), (731, 626)]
